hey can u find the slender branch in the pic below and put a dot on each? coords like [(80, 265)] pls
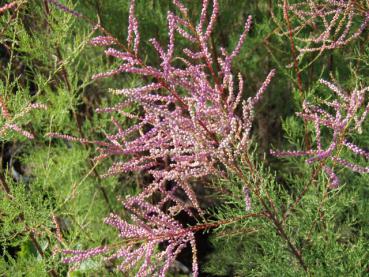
[(196, 228), (214, 52), (292, 247), (293, 50), (296, 66), (272, 214), (79, 127)]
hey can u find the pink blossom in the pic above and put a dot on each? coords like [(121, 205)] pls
[(347, 111)]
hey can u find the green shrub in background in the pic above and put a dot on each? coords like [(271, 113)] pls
[(257, 215)]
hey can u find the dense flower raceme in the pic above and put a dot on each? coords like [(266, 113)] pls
[(192, 125), (349, 113), (141, 238), (8, 6), (337, 19), (193, 120)]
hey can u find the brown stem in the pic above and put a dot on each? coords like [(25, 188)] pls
[(216, 224), (272, 214), (293, 50), (292, 247), (79, 127), (214, 52), (296, 67)]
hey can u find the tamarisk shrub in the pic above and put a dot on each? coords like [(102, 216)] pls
[(193, 121)]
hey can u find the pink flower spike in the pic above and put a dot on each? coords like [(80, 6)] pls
[(242, 38), (342, 111), (8, 6), (131, 22), (213, 19), (102, 41), (181, 7), (333, 179), (336, 17)]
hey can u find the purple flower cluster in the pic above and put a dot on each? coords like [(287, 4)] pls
[(189, 117), (337, 18), (8, 6), (140, 241), (349, 113)]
